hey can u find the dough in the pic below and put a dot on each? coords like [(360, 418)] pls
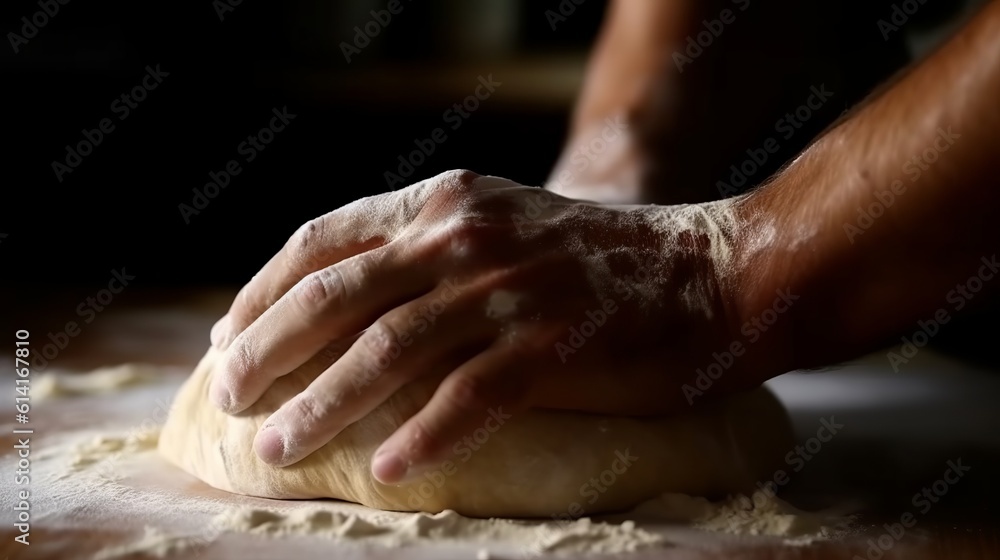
[(536, 464)]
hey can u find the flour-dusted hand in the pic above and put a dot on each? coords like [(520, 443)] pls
[(502, 297), (512, 296)]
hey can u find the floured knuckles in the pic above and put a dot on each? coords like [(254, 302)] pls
[(305, 249), (449, 191), (471, 240), (464, 191)]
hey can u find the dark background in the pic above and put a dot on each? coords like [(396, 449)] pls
[(119, 207)]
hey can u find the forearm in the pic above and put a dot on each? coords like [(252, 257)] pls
[(878, 221), (686, 79), (630, 56), (606, 157)]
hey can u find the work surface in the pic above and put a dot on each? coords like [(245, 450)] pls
[(898, 434)]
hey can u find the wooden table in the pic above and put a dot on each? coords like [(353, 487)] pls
[(899, 432)]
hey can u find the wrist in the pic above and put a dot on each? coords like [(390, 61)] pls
[(714, 265), (763, 296)]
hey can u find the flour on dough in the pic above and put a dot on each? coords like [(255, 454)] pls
[(536, 464)]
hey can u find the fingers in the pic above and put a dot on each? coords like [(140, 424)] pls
[(331, 304), (316, 245), (346, 232), (219, 331), (399, 347), (481, 395)]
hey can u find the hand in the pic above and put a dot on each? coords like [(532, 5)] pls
[(601, 164), (514, 297)]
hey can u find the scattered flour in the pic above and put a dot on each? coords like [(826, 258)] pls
[(764, 237), (581, 536), (502, 304), (312, 520), (715, 220), (103, 447), (153, 542), (741, 516), (87, 479), (708, 228), (745, 516), (735, 516), (684, 227), (104, 380), (103, 477)]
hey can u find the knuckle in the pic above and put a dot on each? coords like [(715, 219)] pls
[(468, 240), (458, 180), (240, 360), (422, 442), (467, 237), (381, 344), (527, 343), (305, 245), (247, 306), (450, 190), (310, 410), (469, 393), (320, 291)]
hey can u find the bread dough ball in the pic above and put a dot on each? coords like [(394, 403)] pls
[(532, 464)]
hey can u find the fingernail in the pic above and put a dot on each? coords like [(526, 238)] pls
[(389, 468), (221, 333), (220, 396), (270, 446)]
